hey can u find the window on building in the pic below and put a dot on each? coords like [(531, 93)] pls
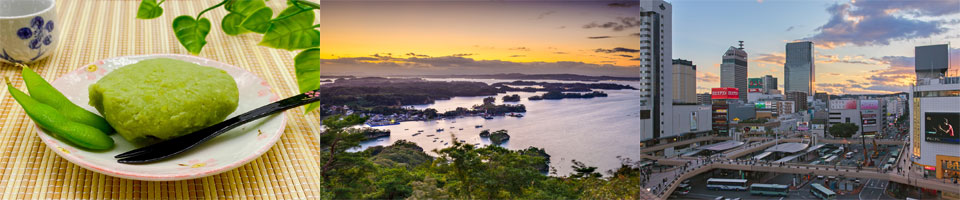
[(645, 114)]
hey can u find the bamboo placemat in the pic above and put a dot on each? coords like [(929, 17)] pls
[(92, 30)]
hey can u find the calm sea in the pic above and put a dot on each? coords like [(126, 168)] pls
[(594, 131)]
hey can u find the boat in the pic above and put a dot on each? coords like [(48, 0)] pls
[(419, 130), (452, 127), (461, 129), (445, 144), (478, 126), (431, 135), (487, 116), (434, 140), (406, 129), (463, 141), (439, 129), (416, 134), (515, 115)]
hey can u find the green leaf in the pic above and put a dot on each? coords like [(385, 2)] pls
[(259, 21), (245, 7), (307, 65), (149, 9), (231, 24), (294, 32), (191, 33)]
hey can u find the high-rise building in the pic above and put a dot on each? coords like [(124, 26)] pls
[(656, 101), (769, 84), (684, 82), (733, 70), (703, 98), (799, 69), (799, 99), (822, 96), (931, 61), (935, 115)]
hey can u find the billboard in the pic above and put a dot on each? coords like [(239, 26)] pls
[(753, 90), (848, 104), (755, 83), (869, 104), (941, 127), (725, 93), (693, 121)]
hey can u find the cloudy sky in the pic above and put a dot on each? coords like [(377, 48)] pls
[(863, 46), (479, 37)]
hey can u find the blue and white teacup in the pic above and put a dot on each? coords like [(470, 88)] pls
[(28, 30)]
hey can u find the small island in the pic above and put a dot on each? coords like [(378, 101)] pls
[(497, 137), (511, 98), (553, 95)]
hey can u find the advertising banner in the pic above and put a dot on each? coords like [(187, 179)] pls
[(941, 127), (725, 93), (869, 104)]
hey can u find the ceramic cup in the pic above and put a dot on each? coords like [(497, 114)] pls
[(28, 30)]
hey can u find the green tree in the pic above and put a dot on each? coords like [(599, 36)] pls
[(343, 173), (430, 113), (843, 130)]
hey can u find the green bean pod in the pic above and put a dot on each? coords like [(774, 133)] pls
[(53, 121), (45, 93)]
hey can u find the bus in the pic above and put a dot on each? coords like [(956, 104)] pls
[(892, 161), (835, 152), (769, 189), (815, 162), (726, 184), (830, 160), (849, 155), (824, 157), (822, 192)]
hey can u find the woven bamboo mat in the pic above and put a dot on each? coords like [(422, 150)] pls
[(91, 30)]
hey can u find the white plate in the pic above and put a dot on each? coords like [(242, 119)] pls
[(223, 153)]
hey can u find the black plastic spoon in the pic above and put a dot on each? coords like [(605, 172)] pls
[(166, 149)]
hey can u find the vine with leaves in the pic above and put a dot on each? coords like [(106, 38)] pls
[(292, 29)]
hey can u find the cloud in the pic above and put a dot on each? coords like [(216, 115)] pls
[(824, 58), (544, 14), (635, 34), (624, 4), (790, 28), (707, 77), (878, 22), (833, 74), (411, 54), (463, 54), (520, 49), (622, 23), (390, 65), (637, 58), (628, 56), (598, 37), (615, 50), (896, 77), (514, 56), (559, 52), (772, 58)]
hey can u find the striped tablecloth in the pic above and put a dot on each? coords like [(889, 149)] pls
[(96, 29)]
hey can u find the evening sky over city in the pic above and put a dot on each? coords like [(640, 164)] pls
[(862, 46)]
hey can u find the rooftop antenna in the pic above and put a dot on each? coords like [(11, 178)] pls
[(741, 44)]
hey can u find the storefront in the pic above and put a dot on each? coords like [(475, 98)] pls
[(948, 167)]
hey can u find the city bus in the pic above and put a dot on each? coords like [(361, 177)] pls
[(769, 189), (892, 161), (726, 184), (822, 192), (849, 155), (824, 157), (815, 162), (835, 152), (830, 160)]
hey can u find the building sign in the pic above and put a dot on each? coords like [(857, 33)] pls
[(950, 165), (869, 104), (725, 93), (843, 104), (941, 127), (754, 85), (915, 117), (869, 122)]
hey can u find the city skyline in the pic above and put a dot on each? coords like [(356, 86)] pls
[(861, 47)]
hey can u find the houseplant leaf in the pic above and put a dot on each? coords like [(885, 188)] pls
[(294, 32), (191, 33), (307, 65)]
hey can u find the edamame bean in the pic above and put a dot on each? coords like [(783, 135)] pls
[(45, 93), (48, 118)]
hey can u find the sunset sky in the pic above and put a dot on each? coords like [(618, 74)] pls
[(862, 46)]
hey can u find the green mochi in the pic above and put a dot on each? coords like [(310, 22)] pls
[(162, 98)]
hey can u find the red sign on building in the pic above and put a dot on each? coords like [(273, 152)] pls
[(754, 90), (725, 93)]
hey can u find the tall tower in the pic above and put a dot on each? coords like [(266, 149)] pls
[(799, 68), (656, 101), (733, 70), (769, 84), (684, 81)]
